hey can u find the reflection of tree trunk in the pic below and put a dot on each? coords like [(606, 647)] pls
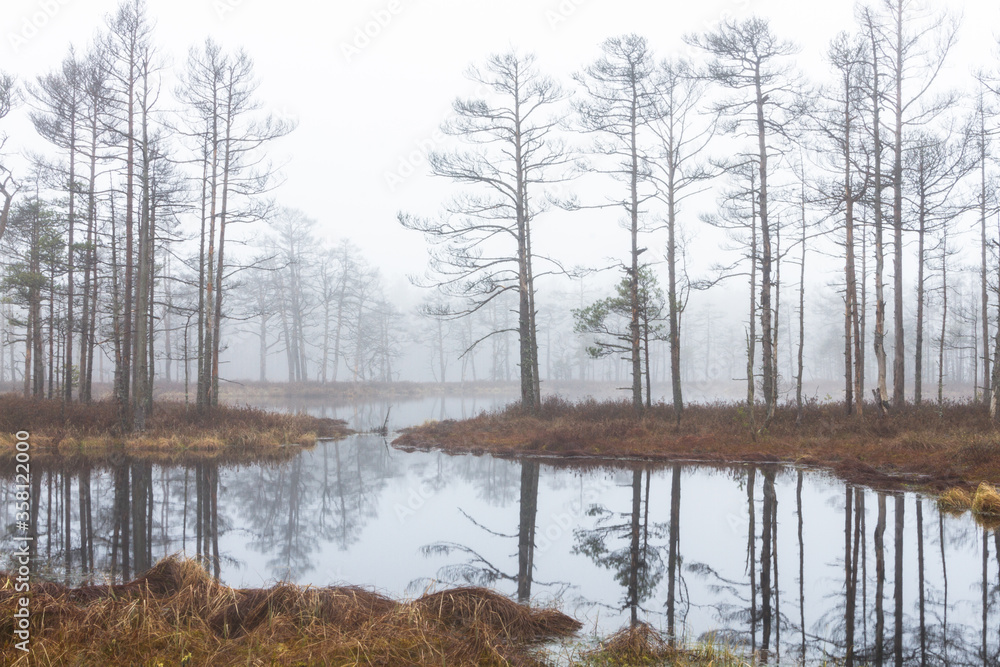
[(526, 529), (944, 578), (48, 515), (341, 495), (880, 580), (986, 590), (920, 578), (198, 513), (765, 559), (67, 518), (294, 512), (862, 523), (633, 570), (36, 498), (674, 548), (123, 503), (217, 570), (898, 583), (996, 550), (774, 557), (848, 575), (752, 557), (207, 516), (802, 566), (86, 523), (141, 481), (859, 511)]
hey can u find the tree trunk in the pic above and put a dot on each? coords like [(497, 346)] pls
[(634, 268), (918, 362), (983, 281), (899, 350), (673, 305), (766, 333), (944, 317)]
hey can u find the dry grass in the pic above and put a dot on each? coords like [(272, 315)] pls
[(915, 445), (955, 500), (173, 430), (640, 644), (986, 500), (177, 614)]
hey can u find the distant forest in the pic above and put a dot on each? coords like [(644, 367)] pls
[(146, 238)]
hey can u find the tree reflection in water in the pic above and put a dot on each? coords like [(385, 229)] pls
[(620, 545), (638, 564)]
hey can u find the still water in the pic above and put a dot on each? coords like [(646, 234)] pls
[(784, 559)]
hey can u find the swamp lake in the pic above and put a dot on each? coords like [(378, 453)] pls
[(772, 557)]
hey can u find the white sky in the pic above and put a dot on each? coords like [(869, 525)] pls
[(360, 116)]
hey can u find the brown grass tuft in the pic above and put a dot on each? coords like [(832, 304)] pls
[(472, 607), (955, 500), (986, 500), (176, 611), (638, 644)]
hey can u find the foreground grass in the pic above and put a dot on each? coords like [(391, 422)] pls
[(642, 645), (177, 615), (916, 446), (173, 430)]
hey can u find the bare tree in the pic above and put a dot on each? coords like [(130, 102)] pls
[(619, 106), (874, 90), (911, 45), (678, 92), (934, 167), (8, 188), (94, 149), (219, 90), (58, 117), (738, 216), (483, 245), (982, 131), (128, 44), (752, 62), (840, 126)]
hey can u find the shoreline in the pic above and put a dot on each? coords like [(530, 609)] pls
[(174, 431), (916, 448)]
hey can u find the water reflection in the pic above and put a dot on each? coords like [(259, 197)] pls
[(790, 564)]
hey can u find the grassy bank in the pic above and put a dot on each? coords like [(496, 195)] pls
[(914, 446), (177, 615), (172, 430), (643, 645)]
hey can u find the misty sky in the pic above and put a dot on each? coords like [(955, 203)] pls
[(369, 82)]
